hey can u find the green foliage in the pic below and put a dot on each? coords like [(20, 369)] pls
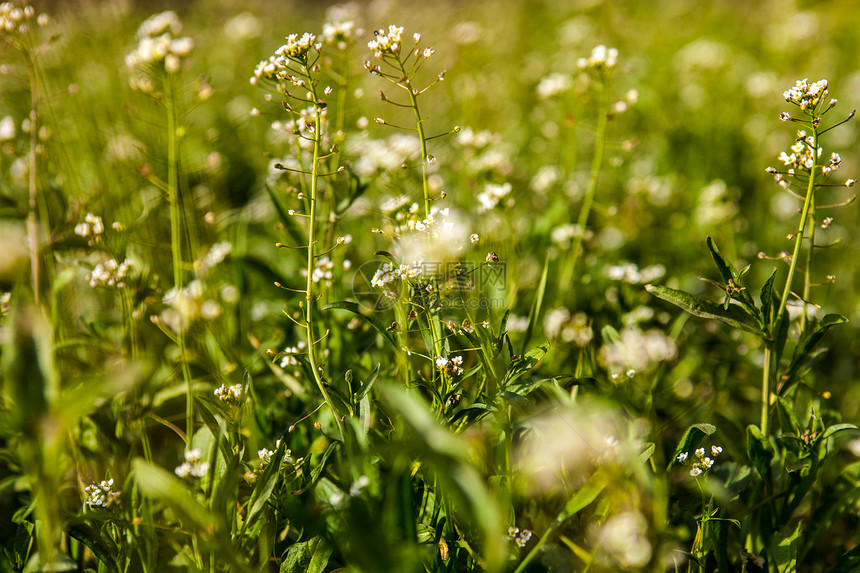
[(244, 327)]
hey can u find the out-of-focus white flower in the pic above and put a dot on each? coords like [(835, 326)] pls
[(193, 465), (158, 46), (553, 85), (7, 128), (625, 538)]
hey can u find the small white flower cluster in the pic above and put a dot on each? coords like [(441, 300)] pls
[(389, 273), (638, 350), (289, 356), (265, 455), (277, 66), (430, 222), (5, 297), (14, 20), (110, 273), (193, 465), (100, 494), (322, 271), (704, 464), (231, 394), (454, 365), (468, 137), (297, 47), (520, 537), (187, 305), (563, 234), (801, 155), (337, 498), (217, 253), (387, 42), (601, 58), (92, 228), (384, 155), (575, 328), (157, 45), (806, 95), (338, 34), (7, 129), (630, 273), (492, 195), (554, 84)]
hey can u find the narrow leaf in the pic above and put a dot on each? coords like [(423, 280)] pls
[(264, 486), (158, 483), (734, 315), (691, 439), (366, 385), (726, 269), (374, 322), (806, 348)]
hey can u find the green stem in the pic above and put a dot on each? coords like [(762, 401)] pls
[(798, 239), (176, 244), (767, 382), (310, 301), (432, 322), (807, 271), (593, 179), (419, 122), (765, 387), (33, 231)]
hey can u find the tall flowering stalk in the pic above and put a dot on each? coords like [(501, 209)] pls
[(806, 171), (295, 65), (600, 64), (158, 59), (16, 29), (399, 67)]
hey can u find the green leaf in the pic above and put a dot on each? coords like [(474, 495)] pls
[(726, 269), (525, 364), (263, 487), (837, 428), (445, 456), (768, 300), (581, 499), (805, 349), (734, 315), (102, 548), (609, 334), (366, 385), (316, 473), (309, 556), (647, 452), (158, 483), (691, 439), (787, 418), (849, 562), (374, 322), (759, 450), (534, 312), (729, 273), (785, 553)]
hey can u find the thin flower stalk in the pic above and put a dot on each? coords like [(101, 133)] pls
[(601, 66), (310, 299), (173, 195)]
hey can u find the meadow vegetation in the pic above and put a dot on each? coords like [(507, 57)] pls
[(392, 286)]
